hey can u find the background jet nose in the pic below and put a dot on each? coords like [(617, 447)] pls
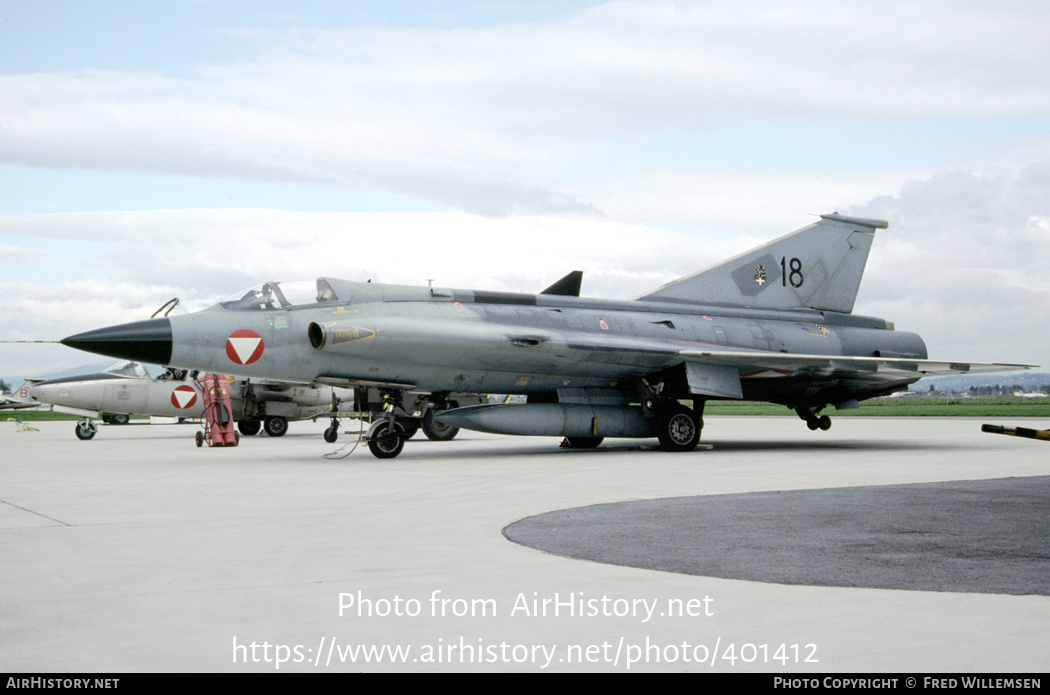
[(143, 341)]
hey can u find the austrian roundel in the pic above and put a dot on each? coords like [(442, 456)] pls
[(183, 397), (244, 346)]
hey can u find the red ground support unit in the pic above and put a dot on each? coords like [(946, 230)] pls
[(218, 412)]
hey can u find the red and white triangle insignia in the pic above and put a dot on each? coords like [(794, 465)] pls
[(183, 397), (244, 346)]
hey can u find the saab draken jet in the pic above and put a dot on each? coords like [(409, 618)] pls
[(774, 324)]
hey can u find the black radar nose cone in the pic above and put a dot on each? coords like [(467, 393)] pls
[(142, 341)]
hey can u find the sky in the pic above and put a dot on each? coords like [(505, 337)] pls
[(194, 149)]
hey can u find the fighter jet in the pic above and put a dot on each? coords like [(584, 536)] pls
[(20, 399), (127, 388), (774, 324)]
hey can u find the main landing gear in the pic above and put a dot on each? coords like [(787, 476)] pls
[(679, 428), (434, 430), (813, 421), (275, 426), (249, 428)]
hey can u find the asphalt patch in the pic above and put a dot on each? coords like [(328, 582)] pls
[(983, 536)]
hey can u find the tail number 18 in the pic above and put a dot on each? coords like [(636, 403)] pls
[(791, 271)]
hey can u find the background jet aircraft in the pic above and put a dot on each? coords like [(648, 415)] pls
[(774, 324), (19, 399), (126, 389)]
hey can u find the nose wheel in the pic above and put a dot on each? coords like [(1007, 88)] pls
[(386, 439), (331, 433), (86, 429)]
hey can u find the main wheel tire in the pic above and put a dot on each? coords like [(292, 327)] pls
[(276, 426), (435, 430), (410, 425), (386, 443), (331, 434), (679, 429), (249, 428), (119, 419)]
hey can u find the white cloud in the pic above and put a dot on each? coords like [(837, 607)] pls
[(963, 263), (489, 119), (208, 254)]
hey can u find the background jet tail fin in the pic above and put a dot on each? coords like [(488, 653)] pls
[(568, 286), (819, 267)]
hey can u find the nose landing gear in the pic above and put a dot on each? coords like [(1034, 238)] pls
[(86, 429)]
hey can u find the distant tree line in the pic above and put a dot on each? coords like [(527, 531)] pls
[(991, 390), (997, 390)]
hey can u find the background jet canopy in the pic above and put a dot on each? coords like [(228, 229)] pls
[(127, 368)]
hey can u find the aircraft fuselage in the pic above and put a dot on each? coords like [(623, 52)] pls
[(485, 342)]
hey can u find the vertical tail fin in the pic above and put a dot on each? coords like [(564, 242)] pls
[(568, 286), (819, 267), (19, 398)]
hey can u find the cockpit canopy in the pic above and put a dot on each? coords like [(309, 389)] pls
[(127, 368), (272, 296)]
